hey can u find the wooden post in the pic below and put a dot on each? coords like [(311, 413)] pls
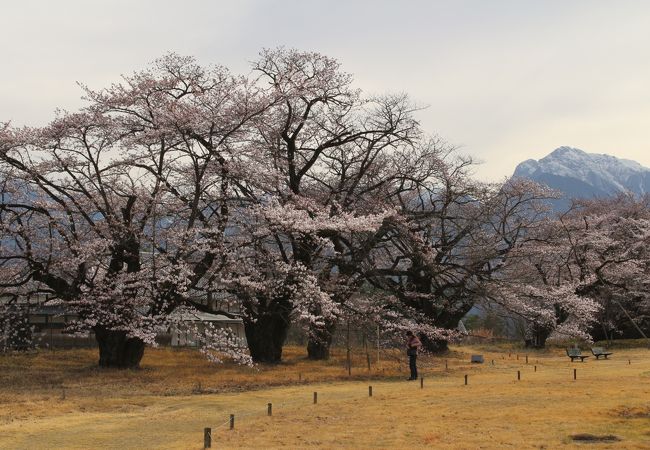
[(349, 359), (207, 437), (492, 362), (299, 376), (446, 366), (315, 397), (518, 375), (465, 380), (517, 356), (369, 391), (377, 345), (575, 374), (535, 369), (269, 409), (232, 421), (422, 383), (629, 362), (526, 359)]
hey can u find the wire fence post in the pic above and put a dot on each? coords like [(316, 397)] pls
[(349, 358), (232, 421), (377, 344), (421, 382), (366, 347), (465, 380), (207, 437), (526, 359), (269, 409), (575, 374), (369, 391), (535, 369), (518, 375), (315, 397)]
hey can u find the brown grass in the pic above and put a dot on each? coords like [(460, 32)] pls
[(60, 400)]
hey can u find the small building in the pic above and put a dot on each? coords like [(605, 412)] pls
[(181, 337), (47, 325), (46, 318)]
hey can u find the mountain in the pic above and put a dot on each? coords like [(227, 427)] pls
[(579, 174)]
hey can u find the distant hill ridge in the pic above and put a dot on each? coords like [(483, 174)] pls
[(579, 174)]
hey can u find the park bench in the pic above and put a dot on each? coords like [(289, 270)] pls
[(574, 353), (599, 351)]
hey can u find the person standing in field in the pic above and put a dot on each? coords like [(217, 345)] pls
[(412, 345)]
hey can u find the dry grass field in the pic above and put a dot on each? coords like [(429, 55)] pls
[(60, 400)]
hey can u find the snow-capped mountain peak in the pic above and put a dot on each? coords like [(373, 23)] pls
[(581, 174)]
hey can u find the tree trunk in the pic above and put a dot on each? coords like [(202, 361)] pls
[(265, 338), (320, 340), (117, 350), (434, 345), (536, 336)]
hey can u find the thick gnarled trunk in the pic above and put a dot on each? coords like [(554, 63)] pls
[(434, 345), (117, 350), (266, 337), (443, 320), (536, 336)]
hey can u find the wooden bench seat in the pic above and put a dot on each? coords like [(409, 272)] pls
[(599, 351), (575, 353)]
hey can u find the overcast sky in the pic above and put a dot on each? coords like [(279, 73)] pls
[(503, 80)]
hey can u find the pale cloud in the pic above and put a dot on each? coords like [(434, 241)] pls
[(504, 80)]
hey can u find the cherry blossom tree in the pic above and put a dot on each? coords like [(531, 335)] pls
[(454, 239), (120, 211), (586, 267), (336, 156), (537, 285), (608, 239)]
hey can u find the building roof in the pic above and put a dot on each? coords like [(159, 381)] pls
[(198, 316)]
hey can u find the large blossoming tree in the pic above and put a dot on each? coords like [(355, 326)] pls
[(583, 273), (339, 159), (453, 241), (120, 212)]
